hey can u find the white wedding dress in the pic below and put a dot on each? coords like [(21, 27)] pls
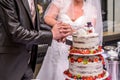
[(56, 59)]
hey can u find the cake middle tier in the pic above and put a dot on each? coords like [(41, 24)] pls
[(85, 66)]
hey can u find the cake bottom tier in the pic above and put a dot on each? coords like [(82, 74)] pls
[(89, 69), (101, 76)]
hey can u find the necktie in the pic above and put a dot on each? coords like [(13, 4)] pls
[(32, 9)]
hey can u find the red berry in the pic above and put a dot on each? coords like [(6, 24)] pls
[(80, 60), (70, 75), (87, 51), (108, 78), (72, 60), (90, 31), (75, 77), (96, 60), (89, 60), (66, 79), (99, 76), (91, 78), (94, 51), (100, 47)]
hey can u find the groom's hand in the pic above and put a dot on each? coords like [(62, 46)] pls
[(66, 29), (61, 30), (56, 30)]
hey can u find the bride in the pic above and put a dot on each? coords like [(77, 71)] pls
[(75, 13)]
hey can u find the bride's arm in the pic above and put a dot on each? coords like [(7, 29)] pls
[(51, 15)]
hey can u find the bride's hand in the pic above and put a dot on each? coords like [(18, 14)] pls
[(62, 40)]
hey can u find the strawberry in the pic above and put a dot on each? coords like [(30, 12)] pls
[(99, 76), (72, 51), (102, 75), (65, 72), (78, 51), (83, 52), (99, 48), (91, 78), (75, 77), (88, 78), (87, 51), (72, 60), (90, 31), (94, 52), (104, 72), (103, 63), (80, 60), (108, 78), (89, 60), (70, 75), (84, 78), (96, 60)]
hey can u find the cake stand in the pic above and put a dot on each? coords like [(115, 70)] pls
[(88, 54)]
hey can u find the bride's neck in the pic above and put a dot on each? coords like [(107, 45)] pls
[(78, 3)]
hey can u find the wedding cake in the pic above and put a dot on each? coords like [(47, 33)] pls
[(85, 59)]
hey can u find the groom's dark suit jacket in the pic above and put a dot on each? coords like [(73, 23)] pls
[(18, 37)]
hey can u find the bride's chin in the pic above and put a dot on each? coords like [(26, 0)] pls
[(79, 1)]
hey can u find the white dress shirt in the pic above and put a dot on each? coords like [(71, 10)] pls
[(32, 9)]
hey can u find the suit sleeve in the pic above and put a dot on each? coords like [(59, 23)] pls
[(16, 31)]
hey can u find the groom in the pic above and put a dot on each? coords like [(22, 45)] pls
[(20, 33)]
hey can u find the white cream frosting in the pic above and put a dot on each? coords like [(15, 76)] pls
[(88, 69), (84, 32), (85, 38)]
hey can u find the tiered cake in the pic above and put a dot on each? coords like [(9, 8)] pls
[(85, 59)]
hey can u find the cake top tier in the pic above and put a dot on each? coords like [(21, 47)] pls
[(86, 31)]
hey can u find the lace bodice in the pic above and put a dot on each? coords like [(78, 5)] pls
[(79, 22), (89, 12)]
